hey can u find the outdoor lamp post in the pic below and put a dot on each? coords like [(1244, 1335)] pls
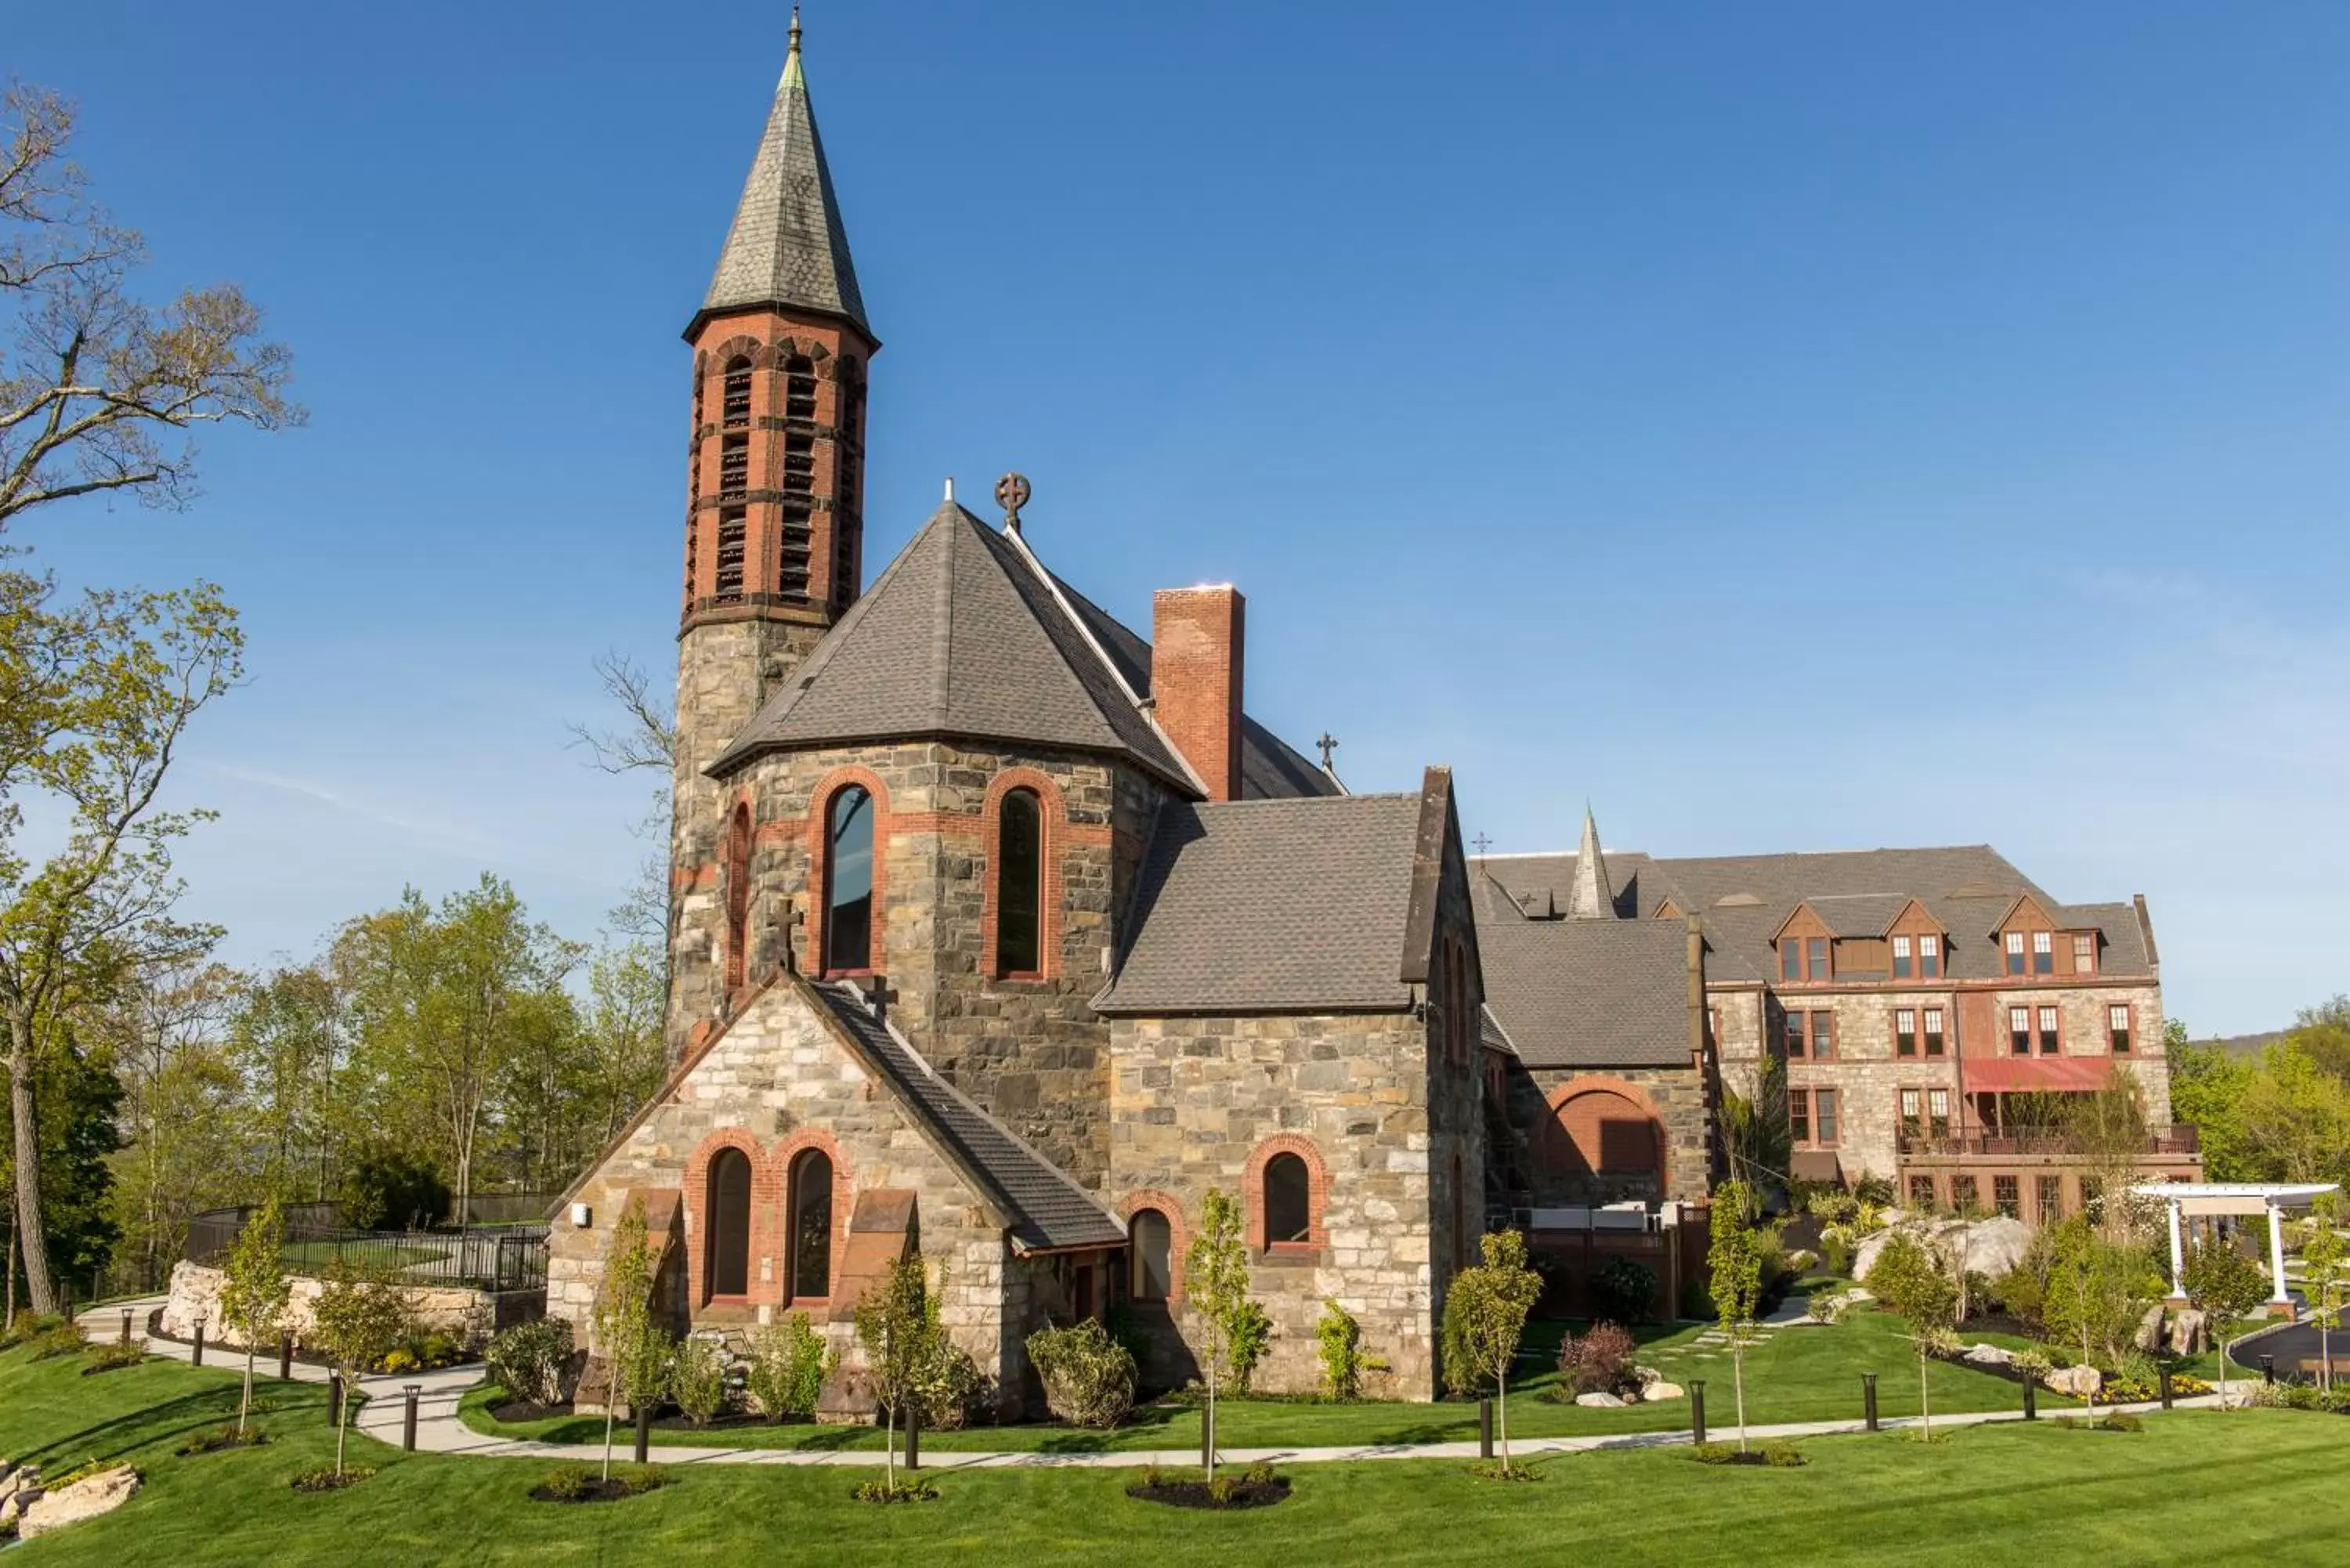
[(197, 1359), (407, 1422)]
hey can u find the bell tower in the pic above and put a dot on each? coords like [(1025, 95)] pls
[(773, 523)]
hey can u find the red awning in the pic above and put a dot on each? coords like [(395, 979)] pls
[(2012, 1074)]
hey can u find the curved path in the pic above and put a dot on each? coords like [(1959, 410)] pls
[(440, 1430), (2294, 1345)]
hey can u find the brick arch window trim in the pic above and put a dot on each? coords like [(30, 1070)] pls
[(1317, 1195), (696, 1192), (1602, 1083), (1178, 1234), (819, 863), (1052, 822), (781, 1161)]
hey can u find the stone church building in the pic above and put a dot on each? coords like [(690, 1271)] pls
[(1003, 934)]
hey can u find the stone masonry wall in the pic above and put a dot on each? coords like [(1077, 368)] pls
[(1679, 1098), (195, 1291), (1199, 1103), (776, 1081)]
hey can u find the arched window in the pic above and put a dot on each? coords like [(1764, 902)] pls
[(738, 896), (1288, 1200), (811, 1225), (1150, 1256), (1020, 886), (729, 1242), (736, 400), (848, 881)]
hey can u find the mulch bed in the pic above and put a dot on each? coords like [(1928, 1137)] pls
[(523, 1411), (1195, 1494), (213, 1442), (611, 1490), (328, 1481)]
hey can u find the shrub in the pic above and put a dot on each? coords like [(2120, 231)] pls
[(60, 1338), (2123, 1421), (1940, 1341), (1623, 1290), (27, 1325), (1820, 1306), (903, 1489), (1250, 1331), (1875, 1191), (1259, 1473), (1713, 1454), (2032, 1364), (1338, 1340), (698, 1380), (1836, 1256), (1088, 1377), (110, 1357), (1782, 1456), (1598, 1363), (400, 1360), (385, 1187), (568, 1483), (530, 1360), (1694, 1305), (948, 1385), (789, 1365), (326, 1477)]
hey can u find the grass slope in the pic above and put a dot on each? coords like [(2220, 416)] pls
[(1807, 1373), (2194, 1487)]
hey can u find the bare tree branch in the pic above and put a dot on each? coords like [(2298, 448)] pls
[(646, 736)]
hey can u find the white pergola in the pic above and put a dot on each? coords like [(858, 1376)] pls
[(2192, 1199)]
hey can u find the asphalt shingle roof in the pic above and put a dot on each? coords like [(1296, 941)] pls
[(1588, 993), (1271, 905), (787, 245), (1044, 1207)]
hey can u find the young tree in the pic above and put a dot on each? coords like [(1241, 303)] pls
[(900, 1335), (1485, 1315), (255, 1290), (2325, 1276), (1216, 1270), (102, 389), (358, 1320), (1755, 1135), (1734, 1260), (626, 1330), (96, 696), (2099, 1291), (2223, 1285), (1914, 1283)]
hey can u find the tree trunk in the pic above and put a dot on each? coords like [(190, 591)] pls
[(32, 1234), (343, 1425), (1738, 1382), (2226, 1351), (1925, 1401), (244, 1405), (1501, 1410)]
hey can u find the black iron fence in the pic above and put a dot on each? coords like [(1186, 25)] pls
[(487, 1257)]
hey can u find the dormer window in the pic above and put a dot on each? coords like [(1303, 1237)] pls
[(1816, 957), (1902, 961), (2015, 952), (1790, 958), (2084, 952), (2044, 952), (1929, 957)]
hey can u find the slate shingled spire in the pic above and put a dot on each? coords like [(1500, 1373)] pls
[(1593, 899), (787, 246)]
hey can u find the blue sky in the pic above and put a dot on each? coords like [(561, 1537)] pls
[(1791, 427)]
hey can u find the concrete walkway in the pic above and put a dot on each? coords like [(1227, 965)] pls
[(439, 1430)]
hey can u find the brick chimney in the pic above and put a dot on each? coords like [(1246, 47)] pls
[(1196, 638)]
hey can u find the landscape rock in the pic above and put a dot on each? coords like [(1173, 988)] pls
[(1599, 1401), (86, 1499), (1992, 1246), (1986, 1355), (2080, 1382), (2149, 1328), (1647, 1374), (10, 1507), (1654, 1391), (2191, 1332)]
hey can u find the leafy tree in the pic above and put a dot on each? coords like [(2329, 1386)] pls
[(900, 1336), (1914, 1283), (626, 1330), (388, 1188), (78, 1098), (358, 1320), (2207, 1088), (288, 1041), (2099, 1290), (102, 389), (789, 1363), (1734, 1262), (1485, 1314), (255, 1290), (2295, 1116), (96, 697), (2325, 1276), (1755, 1136), (1218, 1274), (2224, 1285)]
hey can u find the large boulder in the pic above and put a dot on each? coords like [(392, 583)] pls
[(1651, 1392), (2080, 1382), (2149, 1328), (1986, 1355), (1990, 1247), (2191, 1332), (86, 1499), (1599, 1401)]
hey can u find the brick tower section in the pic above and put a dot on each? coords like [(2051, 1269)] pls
[(772, 557)]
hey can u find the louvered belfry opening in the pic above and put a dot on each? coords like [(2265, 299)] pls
[(796, 546)]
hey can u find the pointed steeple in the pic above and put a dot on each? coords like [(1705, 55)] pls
[(787, 247), (1594, 899)]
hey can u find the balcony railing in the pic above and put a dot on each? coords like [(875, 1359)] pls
[(2180, 1139)]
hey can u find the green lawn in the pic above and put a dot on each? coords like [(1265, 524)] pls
[(2194, 1487), (1809, 1374)]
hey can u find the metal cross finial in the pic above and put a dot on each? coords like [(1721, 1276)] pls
[(1329, 743), (1482, 843), (1012, 494)]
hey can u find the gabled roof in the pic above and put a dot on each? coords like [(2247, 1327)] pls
[(1272, 906), (1043, 1208), (1587, 993), (787, 246), (960, 636), (1854, 914)]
